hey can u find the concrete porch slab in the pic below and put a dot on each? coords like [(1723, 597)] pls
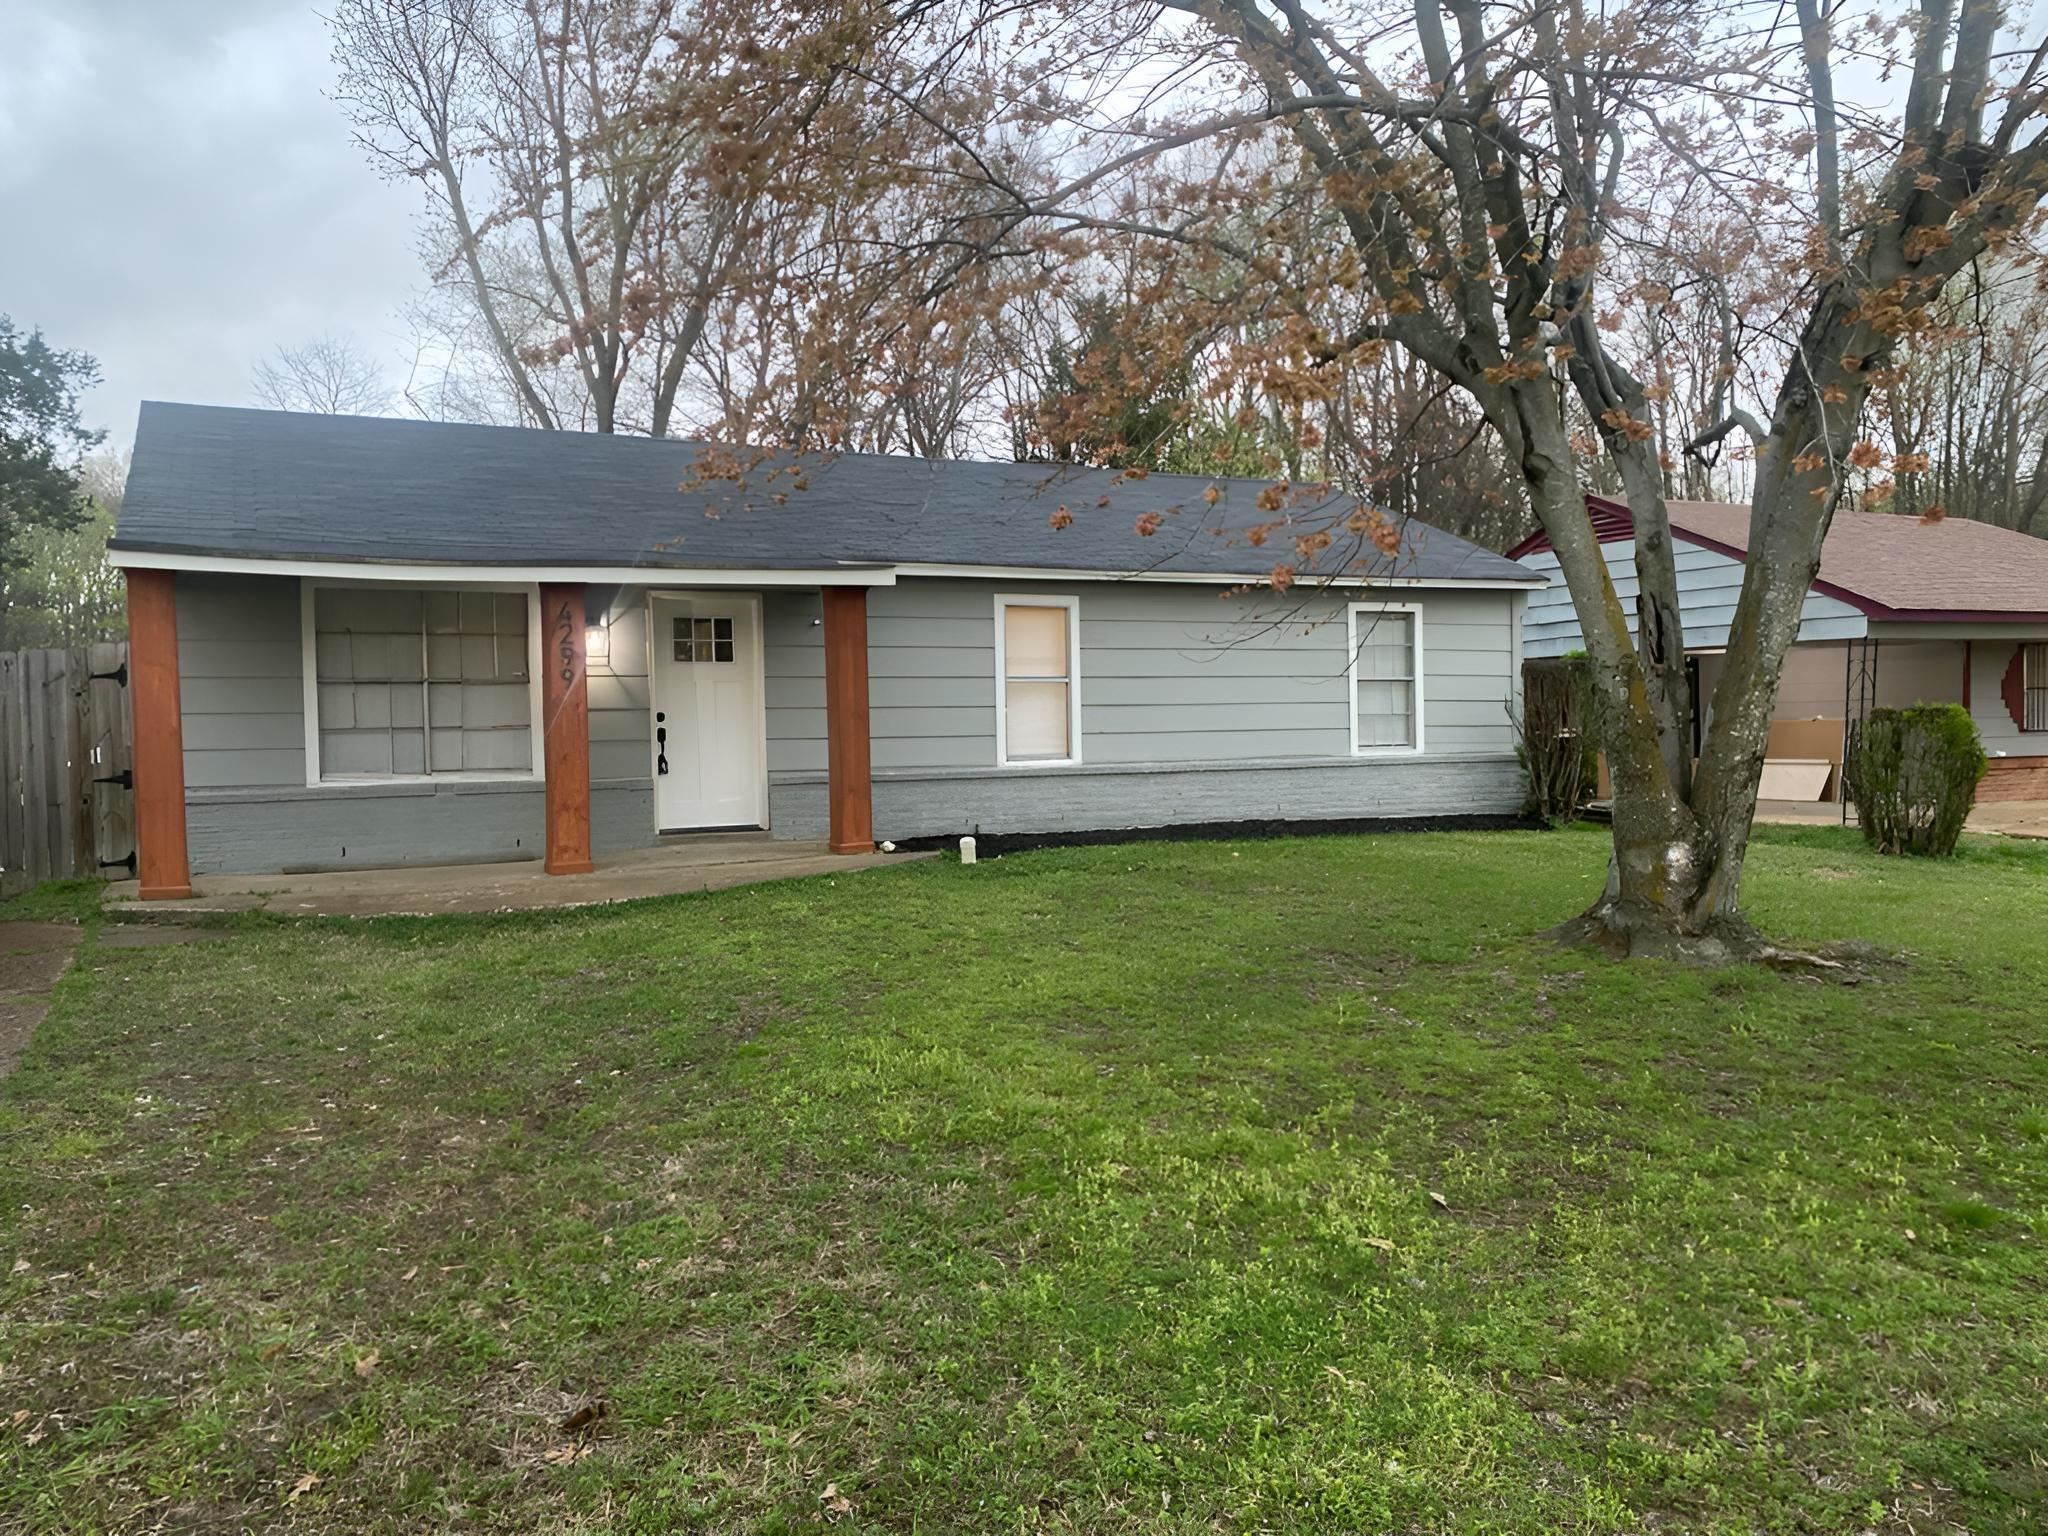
[(685, 864)]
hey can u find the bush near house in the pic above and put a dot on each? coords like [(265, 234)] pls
[(1913, 774), (1555, 734)]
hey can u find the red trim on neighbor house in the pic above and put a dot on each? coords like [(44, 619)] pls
[(1966, 674), (162, 864), (1612, 522), (2013, 687), (565, 727), (849, 780)]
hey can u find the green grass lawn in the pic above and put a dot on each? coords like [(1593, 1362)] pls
[(1285, 1186)]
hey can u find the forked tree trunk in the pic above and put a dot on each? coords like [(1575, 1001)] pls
[(1680, 837)]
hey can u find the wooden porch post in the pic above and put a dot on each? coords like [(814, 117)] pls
[(846, 720), (158, 751), (565, 728)]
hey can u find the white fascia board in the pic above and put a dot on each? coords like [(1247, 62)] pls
[(1216, 579), (389, 572)]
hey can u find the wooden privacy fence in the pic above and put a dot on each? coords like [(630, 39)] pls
[(66, 805)]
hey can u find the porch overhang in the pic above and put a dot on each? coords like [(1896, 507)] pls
[(841, 573), (440, 573)]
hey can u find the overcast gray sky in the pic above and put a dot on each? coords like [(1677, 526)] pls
[(181, 196)]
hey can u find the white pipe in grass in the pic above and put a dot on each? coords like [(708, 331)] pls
[(966, 850)]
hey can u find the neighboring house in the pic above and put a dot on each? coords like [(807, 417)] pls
[(1902, 612), (364, 642)]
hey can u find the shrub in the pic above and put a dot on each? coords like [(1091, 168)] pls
[(1556, 741), (1913, 774)]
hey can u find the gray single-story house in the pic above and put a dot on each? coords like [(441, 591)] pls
[(1901, 612), (363, 642)]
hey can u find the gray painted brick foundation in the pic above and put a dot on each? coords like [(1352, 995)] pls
[(263, 831), (1095, 799)]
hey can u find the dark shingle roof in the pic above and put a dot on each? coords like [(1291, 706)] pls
[(215, 481)]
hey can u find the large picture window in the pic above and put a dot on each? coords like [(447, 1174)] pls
[(1038, 684), (1386, 677), (416, 682)]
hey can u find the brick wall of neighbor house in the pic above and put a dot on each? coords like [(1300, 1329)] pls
[(2014, 778), (1242, 703)]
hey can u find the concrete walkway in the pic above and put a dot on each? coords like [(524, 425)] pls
[(2005, 818), (708, 863)]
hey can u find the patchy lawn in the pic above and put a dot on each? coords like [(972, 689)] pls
[(1267, 1186)]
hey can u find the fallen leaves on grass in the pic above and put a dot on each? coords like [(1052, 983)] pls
[(836, 1503), (367, 1364), (306, 1484)]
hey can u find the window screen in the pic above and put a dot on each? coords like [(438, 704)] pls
[(421, 682), (1386, 679), (2034, 682), (1038, 681)]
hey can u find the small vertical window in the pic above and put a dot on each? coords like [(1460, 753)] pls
[(1386, 678), (1038, 706), (2034, 685)]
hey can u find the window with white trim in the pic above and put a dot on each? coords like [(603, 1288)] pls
[(1038, 700), (1386, 677), (2034, 686), (417, 682)]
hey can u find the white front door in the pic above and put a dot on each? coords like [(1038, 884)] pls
[(708, 731)]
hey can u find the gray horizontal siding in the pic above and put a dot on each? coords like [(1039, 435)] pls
[(1709, 583), (1170, 673), (241, 688), (1172, 676), (621, 730), (793, 667), (268, 830), (1096, 799)]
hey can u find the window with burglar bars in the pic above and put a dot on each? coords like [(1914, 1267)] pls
[(2034, 686), (414, 682)]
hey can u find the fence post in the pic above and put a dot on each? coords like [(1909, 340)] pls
[(78, 785)]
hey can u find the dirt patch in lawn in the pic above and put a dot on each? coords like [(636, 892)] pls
[(32, 957)]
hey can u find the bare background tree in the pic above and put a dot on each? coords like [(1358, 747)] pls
[(581, 225), (329, 375), (1975, 403)]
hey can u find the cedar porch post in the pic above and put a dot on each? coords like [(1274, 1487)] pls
[(565, 728), (846, 720), (158, 749)]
